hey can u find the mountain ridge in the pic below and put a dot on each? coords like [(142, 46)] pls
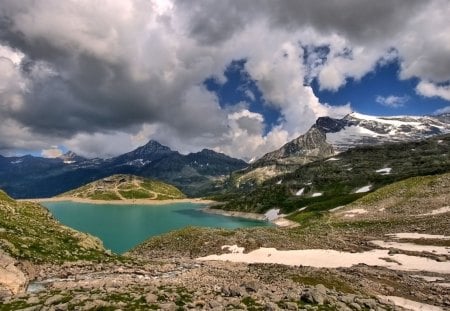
[(195, 173), (334, 136)]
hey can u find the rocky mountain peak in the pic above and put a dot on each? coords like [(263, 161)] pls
[(71, 157), (305, 148)]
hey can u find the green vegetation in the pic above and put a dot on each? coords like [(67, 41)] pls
[(28, 231), (120, 187), (338, 180)]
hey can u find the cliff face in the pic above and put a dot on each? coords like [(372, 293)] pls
[(306, 148)]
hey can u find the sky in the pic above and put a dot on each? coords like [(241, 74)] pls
[(243, 77)]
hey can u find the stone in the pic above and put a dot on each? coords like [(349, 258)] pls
[(291, 305), (32, 300), (151, 298), (54, 300)]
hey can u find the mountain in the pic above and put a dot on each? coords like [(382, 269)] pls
[(330, 136), (304, 149), (71, 157), (357, 129), (195, 174), (343, 178), (123, 187)]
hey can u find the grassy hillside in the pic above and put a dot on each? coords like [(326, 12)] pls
[(28, 231), (335, 181), (121, 187)]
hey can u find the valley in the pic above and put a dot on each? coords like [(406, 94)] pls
[(362, 228)]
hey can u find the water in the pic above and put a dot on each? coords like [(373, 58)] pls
[(122, 227)]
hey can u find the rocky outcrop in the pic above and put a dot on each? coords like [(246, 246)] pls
[(306, 148), (12, 279)]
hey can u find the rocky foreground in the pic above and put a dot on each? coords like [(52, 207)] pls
[(407, 220)]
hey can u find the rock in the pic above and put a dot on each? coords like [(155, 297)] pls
[(54, 300), (12, 279), (151, 298), (33, 300), (270, 306), (369, 303), (169, 306), (314, 295), (441, 259), (214, 304), (290, 305), (251, 286), (355, 306)]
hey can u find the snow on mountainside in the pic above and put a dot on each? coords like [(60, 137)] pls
[(357, 129), (329, 136)]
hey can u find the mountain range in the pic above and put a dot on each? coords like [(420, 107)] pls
[(330, 136), (207, 172), (194, 173)]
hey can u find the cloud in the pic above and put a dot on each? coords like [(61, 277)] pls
[(443, 110), (392, 101), (52, 152), (429, 89), (83, 74)]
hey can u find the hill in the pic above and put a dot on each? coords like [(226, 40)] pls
[(196, 174), (122, 187), (341, 179)]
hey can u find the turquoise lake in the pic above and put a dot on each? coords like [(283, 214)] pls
[(121, 227)]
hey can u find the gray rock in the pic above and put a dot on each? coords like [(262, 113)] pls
[(169, 306), (270, 306), (32, 300), (54, 300), (291, 305), (151, 298)]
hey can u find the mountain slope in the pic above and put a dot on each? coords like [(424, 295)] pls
[(330, 136), (28, 231), (341, 179), (122, 187), (195, 174)]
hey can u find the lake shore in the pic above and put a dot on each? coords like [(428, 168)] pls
[(279, 222), (122, 202)]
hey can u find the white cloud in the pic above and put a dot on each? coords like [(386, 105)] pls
[(443, 110), (429, 89), (392, 101), (52, 152), (85, 75)]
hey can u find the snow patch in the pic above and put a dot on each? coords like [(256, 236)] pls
[(317, 194), (327, 258), (233, 249), (332, 159), (69, 162), (438, 211), (364, 189), (410, 304), (279, 182), (300, 192), (384, 171), (336, 208), (414, 235), (428, 278), (441, 250), (272, 214), (354, 212)]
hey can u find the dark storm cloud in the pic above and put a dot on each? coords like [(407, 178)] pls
[(360, 20), (111, 66)]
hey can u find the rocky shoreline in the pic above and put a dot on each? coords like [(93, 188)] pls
[(279, 221)]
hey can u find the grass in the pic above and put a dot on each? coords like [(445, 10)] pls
[(30, 232), (338, 180), (121, 186)]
